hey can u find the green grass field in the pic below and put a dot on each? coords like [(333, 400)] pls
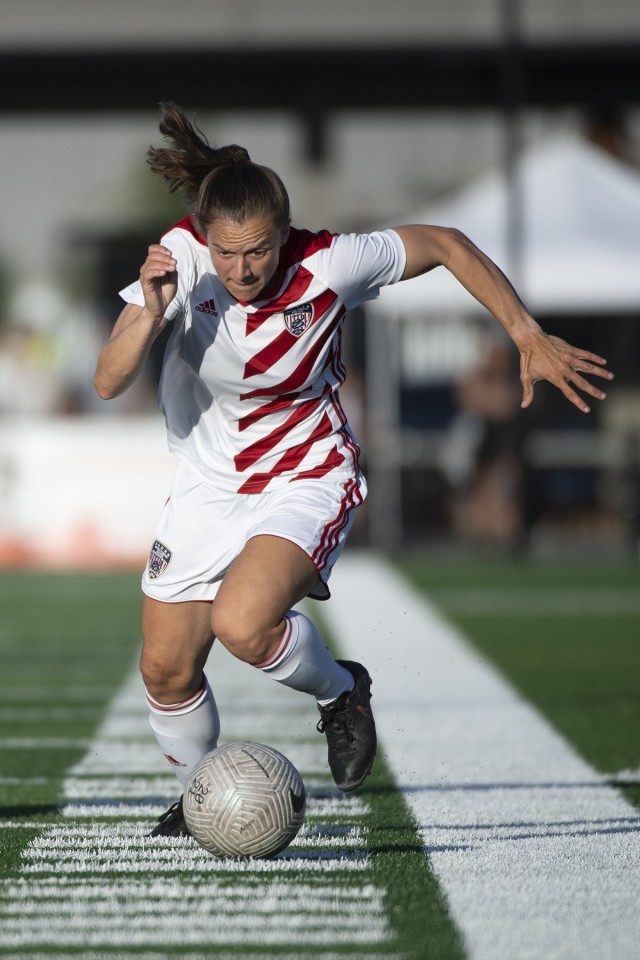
[(566, 635)]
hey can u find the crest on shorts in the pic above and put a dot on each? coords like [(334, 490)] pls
[(298, 319), (159, 559)]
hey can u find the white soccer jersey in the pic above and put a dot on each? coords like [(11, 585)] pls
[(250, 390)]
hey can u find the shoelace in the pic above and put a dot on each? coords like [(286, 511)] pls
[(331, 720)]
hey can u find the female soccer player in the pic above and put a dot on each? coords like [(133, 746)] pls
[(268, 480)]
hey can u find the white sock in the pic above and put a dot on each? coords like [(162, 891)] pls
[(303, 662), (186, 731)]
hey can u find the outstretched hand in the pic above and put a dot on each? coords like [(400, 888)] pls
[(550, 358)]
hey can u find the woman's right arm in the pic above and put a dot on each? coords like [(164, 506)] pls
[(124, 354)]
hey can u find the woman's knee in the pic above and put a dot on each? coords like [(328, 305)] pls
[(167, 680), (242, 633)]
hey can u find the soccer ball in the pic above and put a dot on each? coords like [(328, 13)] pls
[(244, 799)]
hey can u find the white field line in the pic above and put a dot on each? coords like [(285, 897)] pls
[(16, 781), (44, 743), (66, 894), (220, 955), (49, 714), (538, 856)]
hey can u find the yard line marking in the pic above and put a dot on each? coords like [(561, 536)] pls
[(316, 807), (196, 928), (44, 743), (349, 808), (16, 781), (538, 855), (26, 694), (626, 776), (66, 894), (159, 863), (28, 714), (156, 955), (109, 787), (170, 889)]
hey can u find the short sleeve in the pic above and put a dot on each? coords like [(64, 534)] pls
[(362, 263)]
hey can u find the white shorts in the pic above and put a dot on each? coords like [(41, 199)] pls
[(202, 530)]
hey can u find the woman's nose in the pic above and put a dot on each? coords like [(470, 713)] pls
[(242, 267)]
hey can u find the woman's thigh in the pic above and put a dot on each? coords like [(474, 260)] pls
[(268, 577)]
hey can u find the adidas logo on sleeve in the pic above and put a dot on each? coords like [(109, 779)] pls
[(208, 307)]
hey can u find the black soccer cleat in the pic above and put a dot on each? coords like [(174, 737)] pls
[(171, 823), (350, 730)]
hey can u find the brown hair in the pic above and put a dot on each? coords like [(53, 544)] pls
[(221, 183)]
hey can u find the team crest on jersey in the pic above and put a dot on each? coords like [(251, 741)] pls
[(159, 559), (298, 319)]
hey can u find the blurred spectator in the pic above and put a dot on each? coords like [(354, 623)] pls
[(47, 355), (29, 381), (481, 455)]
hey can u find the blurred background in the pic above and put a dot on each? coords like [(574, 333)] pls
[(517, 121)]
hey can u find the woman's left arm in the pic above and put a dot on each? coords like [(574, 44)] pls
[(542, 357)]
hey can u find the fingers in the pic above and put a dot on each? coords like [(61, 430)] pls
[(159, 263), (527, 393), (585, 385), (595, 368), (574, 397), (585, 355), (563, 366), (573, 379), (158, 278), (585, 363)]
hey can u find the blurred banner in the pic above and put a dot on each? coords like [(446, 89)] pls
[(81, 492)]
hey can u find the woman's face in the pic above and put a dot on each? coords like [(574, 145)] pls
[(245, 255)]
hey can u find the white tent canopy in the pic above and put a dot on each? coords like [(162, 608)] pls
[(580, 249)]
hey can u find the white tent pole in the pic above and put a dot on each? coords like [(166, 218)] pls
[(384, 467), (512, 101)]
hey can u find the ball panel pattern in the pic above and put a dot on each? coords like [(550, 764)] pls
[(244, 799)]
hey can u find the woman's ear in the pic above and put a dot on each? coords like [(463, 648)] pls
[(284, 234)]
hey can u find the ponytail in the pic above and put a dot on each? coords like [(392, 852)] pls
[(219, 182)]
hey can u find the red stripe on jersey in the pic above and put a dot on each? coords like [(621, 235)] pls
[(294, 455), (295, 291), (264, 445), (265, 358), (290, 460), (299, 245), (190, 224), (304, 243), (273, 406), (274, 351), (304, 368), (333, 459), (337, 406), (339, 369)]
